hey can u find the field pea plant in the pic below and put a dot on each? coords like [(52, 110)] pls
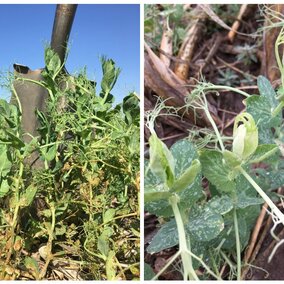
[(77, 217), (213, 228)]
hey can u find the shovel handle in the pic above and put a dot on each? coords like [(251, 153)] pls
[(62, 25)]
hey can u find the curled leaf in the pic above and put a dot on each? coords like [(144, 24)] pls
[(245, 136)]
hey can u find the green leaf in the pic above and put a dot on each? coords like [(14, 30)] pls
[(60, 230), (228, 237), (216, 171), (110, 75), (157, 192), (148, 272), (263, 152), (266, 90), (5, 160), (52, 62), (27, 197), (221, 204), (16, 142), (131, 109), (188, 198), (111, 266), (205, 223), (32, 265), (166, 237), (245, 194), (184, 153), (161, 160), (187, 178), (261, 110), (245, 136), (51, 153), (109, 215), (231, 159), (4, 187), (103, 245)]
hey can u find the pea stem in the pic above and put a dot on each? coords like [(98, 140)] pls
[(239, 263), (265, 197)]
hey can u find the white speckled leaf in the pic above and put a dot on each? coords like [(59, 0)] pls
[(204, 224), (221, 204), (183, 152), (166, 237), (263, 152), (260, 108), (216, 171), (266, 90)]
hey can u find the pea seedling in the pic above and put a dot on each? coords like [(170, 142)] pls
[(214, 232)]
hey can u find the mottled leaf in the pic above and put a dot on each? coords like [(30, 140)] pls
[(263, 152), (221, 204), (266, 90), (261, 110), (187, 177), (204, 224), (216, 171), (166, 237), (184, 153)]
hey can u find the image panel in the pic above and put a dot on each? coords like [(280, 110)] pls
[(214, 168), (69, 142)]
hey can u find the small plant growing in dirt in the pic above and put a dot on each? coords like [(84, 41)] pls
[(77, 216), (212, 230)]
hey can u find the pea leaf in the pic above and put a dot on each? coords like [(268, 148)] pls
[(266, 90), (161, 160), (148, 272), (27, 197), (110, 75), (32, 265), (166, 237), (245, 194), (188, 198), (261, 107), (205, 223), (111, 266), (221, 204), (109, 215), (52, 62), (216, 171), (5, 160), (184, 153), (4, 187), (263, 152), (131, 109), (187, 178), (51, 153), (228, 237)]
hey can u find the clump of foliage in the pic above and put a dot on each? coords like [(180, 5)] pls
[(77, 216), (212, 229)]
